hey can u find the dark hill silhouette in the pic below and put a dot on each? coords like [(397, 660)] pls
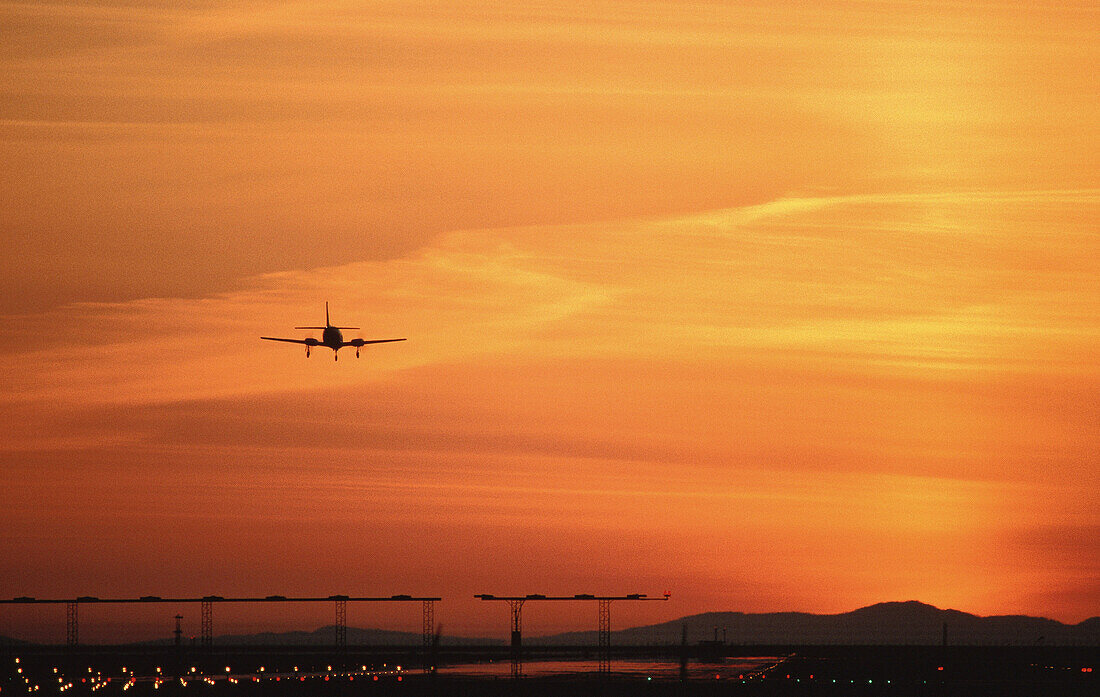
[(893, 623), (8, 641), (1092, 624)]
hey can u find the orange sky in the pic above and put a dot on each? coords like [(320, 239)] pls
[(783, 306)]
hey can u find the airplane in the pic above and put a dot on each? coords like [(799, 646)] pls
[(331, 338)]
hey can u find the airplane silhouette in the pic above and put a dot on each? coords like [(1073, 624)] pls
[(331, 338)]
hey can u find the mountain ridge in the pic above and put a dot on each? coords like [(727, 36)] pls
[(893, 622), (888, 623)]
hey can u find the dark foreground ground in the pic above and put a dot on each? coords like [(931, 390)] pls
[(282, 672)]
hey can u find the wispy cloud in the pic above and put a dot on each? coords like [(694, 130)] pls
[(885, 373), (661, 315)]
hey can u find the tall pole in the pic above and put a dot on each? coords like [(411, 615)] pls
[(683, 653), (605, 636), (517, 637), (427, 635), (179, 631), (341, 625), (72, 637), (207, 623)]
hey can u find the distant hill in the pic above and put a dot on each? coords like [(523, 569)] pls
[(891, 623), (8, 641), (885, 623)]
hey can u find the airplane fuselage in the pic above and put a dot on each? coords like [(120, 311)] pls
[(332, 338)]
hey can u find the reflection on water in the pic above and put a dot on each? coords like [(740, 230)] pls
[(732, 667)]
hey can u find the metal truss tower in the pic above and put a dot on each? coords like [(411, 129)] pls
[(427, 636), (605, 636), (72, 635), (207, 623), (341, 625), (516, 606)]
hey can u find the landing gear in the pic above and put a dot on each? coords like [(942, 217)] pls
[(357, 353), (335, 356), (307, 352)]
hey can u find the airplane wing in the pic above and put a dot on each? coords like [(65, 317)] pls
[(307, 342), (364, 342)]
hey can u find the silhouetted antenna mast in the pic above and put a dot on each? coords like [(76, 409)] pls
[(683, 653), (179, 631)]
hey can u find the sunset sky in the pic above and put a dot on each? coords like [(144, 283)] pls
[(776, 305)]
